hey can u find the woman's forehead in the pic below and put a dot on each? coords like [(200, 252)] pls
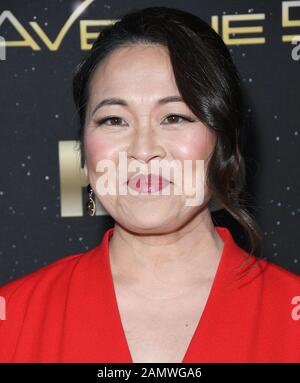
[(134, 69)]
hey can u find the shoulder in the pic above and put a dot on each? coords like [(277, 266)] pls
[(274, 286), (269, 276), (40, 301), (282, 287), (254, 271), (279, 277), (55, 275)]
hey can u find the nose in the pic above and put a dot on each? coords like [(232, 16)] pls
[(144, 147)]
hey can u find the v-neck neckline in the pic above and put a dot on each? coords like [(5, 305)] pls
[(223, 279)]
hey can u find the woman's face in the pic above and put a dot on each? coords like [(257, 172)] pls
[(141, 75)]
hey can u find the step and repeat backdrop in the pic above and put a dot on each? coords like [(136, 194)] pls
[(42, 186)]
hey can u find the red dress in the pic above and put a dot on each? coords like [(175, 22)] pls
[(67, 312)]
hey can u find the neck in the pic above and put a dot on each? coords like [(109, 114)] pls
[(166, 263)]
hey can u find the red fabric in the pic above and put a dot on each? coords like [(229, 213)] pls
[(67, 312)]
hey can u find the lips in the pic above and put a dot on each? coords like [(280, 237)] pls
[(148, 183)]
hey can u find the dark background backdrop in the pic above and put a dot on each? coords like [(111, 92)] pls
[(37, 112)]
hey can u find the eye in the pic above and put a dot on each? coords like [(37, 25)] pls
[(173, 118), (114, 119)]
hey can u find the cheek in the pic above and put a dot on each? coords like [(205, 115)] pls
[(196, 145), (98, 148)]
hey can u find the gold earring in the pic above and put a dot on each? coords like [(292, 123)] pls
[(91, 205)]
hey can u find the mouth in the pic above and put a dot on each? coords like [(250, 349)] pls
[(150, 183)]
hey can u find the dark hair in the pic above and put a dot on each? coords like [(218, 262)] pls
[(208, 82)]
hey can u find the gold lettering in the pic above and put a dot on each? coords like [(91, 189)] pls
[(53, 46), (85, 35), (28, 40), (287, 22), (72, 180), (227, 29), (215, 23)]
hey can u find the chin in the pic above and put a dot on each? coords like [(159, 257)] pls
[(143, 225)]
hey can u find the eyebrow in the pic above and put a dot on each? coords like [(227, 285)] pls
[(122, 102)]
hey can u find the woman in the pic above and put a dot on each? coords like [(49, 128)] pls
[(165, 284)]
